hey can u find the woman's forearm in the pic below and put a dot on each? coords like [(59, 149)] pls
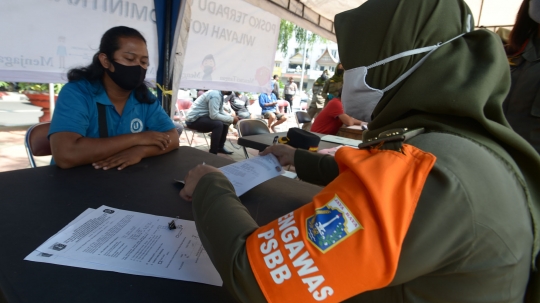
[(71, 149)]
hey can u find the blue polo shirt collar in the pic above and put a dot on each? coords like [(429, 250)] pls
[(131, 102)]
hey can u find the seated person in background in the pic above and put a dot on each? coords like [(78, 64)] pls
[(268, 103), (227, 106), (239, 103), (440, 204), (207, 115), (332, 117), (135, 125)]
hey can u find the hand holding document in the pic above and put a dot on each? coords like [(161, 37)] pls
[(245, 175), (130, 242)]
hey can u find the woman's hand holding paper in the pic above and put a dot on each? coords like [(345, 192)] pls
[(193, 177), (284, 153)]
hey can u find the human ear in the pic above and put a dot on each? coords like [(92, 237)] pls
[(104, 61)]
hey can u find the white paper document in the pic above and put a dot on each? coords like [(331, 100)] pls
[(245, 175), (130, 242), (341, 140), (38, 256)]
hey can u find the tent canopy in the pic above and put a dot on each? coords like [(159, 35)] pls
[(318, 15)]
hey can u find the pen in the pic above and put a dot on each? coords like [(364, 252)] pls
[(275, 140)]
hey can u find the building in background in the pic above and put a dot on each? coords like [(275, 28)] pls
[(319, 56), (327, 61), (277, 65)]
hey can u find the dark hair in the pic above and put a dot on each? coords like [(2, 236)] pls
[(208, 57), (110, 43), (275, 76), (524, 27)]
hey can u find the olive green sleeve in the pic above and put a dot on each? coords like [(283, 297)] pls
[(224, 225), (325, 89), (315, 168), (466, 228)]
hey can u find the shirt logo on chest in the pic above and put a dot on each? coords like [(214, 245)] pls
[(136, 125), (331, 224)]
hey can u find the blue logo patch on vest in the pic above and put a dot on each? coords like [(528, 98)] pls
[(136, 125), (331, 224)]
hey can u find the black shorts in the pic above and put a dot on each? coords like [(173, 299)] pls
[(278, 115)]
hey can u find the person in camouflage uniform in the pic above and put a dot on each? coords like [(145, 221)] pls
[(317, 102)]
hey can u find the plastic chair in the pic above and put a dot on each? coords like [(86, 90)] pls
[(285, 104), (302, 117), (250, 127), (182, 106), (36, 142), (182, 118)]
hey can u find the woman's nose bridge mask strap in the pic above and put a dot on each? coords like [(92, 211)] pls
[(359, 99), (425, 49)]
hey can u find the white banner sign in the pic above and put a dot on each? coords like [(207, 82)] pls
[(43, 39), (231, 46)]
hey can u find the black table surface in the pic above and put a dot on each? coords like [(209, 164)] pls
[(260, 142), (36, 203)]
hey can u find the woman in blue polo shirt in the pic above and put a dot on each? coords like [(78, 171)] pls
[(105, 115)]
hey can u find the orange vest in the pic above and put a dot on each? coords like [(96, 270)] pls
[(348, 239)]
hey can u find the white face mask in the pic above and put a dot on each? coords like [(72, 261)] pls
[(534, 10), (359, 99)]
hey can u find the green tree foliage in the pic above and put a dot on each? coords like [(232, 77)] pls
[(287, 30), (38, 87)]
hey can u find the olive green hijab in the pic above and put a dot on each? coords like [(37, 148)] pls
[(336, 77), (459, 89)]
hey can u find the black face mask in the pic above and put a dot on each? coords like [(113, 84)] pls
[(208, 70), (340, 72), (127, 77)]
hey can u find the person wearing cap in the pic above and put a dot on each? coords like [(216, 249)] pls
[(441, 203), (522, 105)]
